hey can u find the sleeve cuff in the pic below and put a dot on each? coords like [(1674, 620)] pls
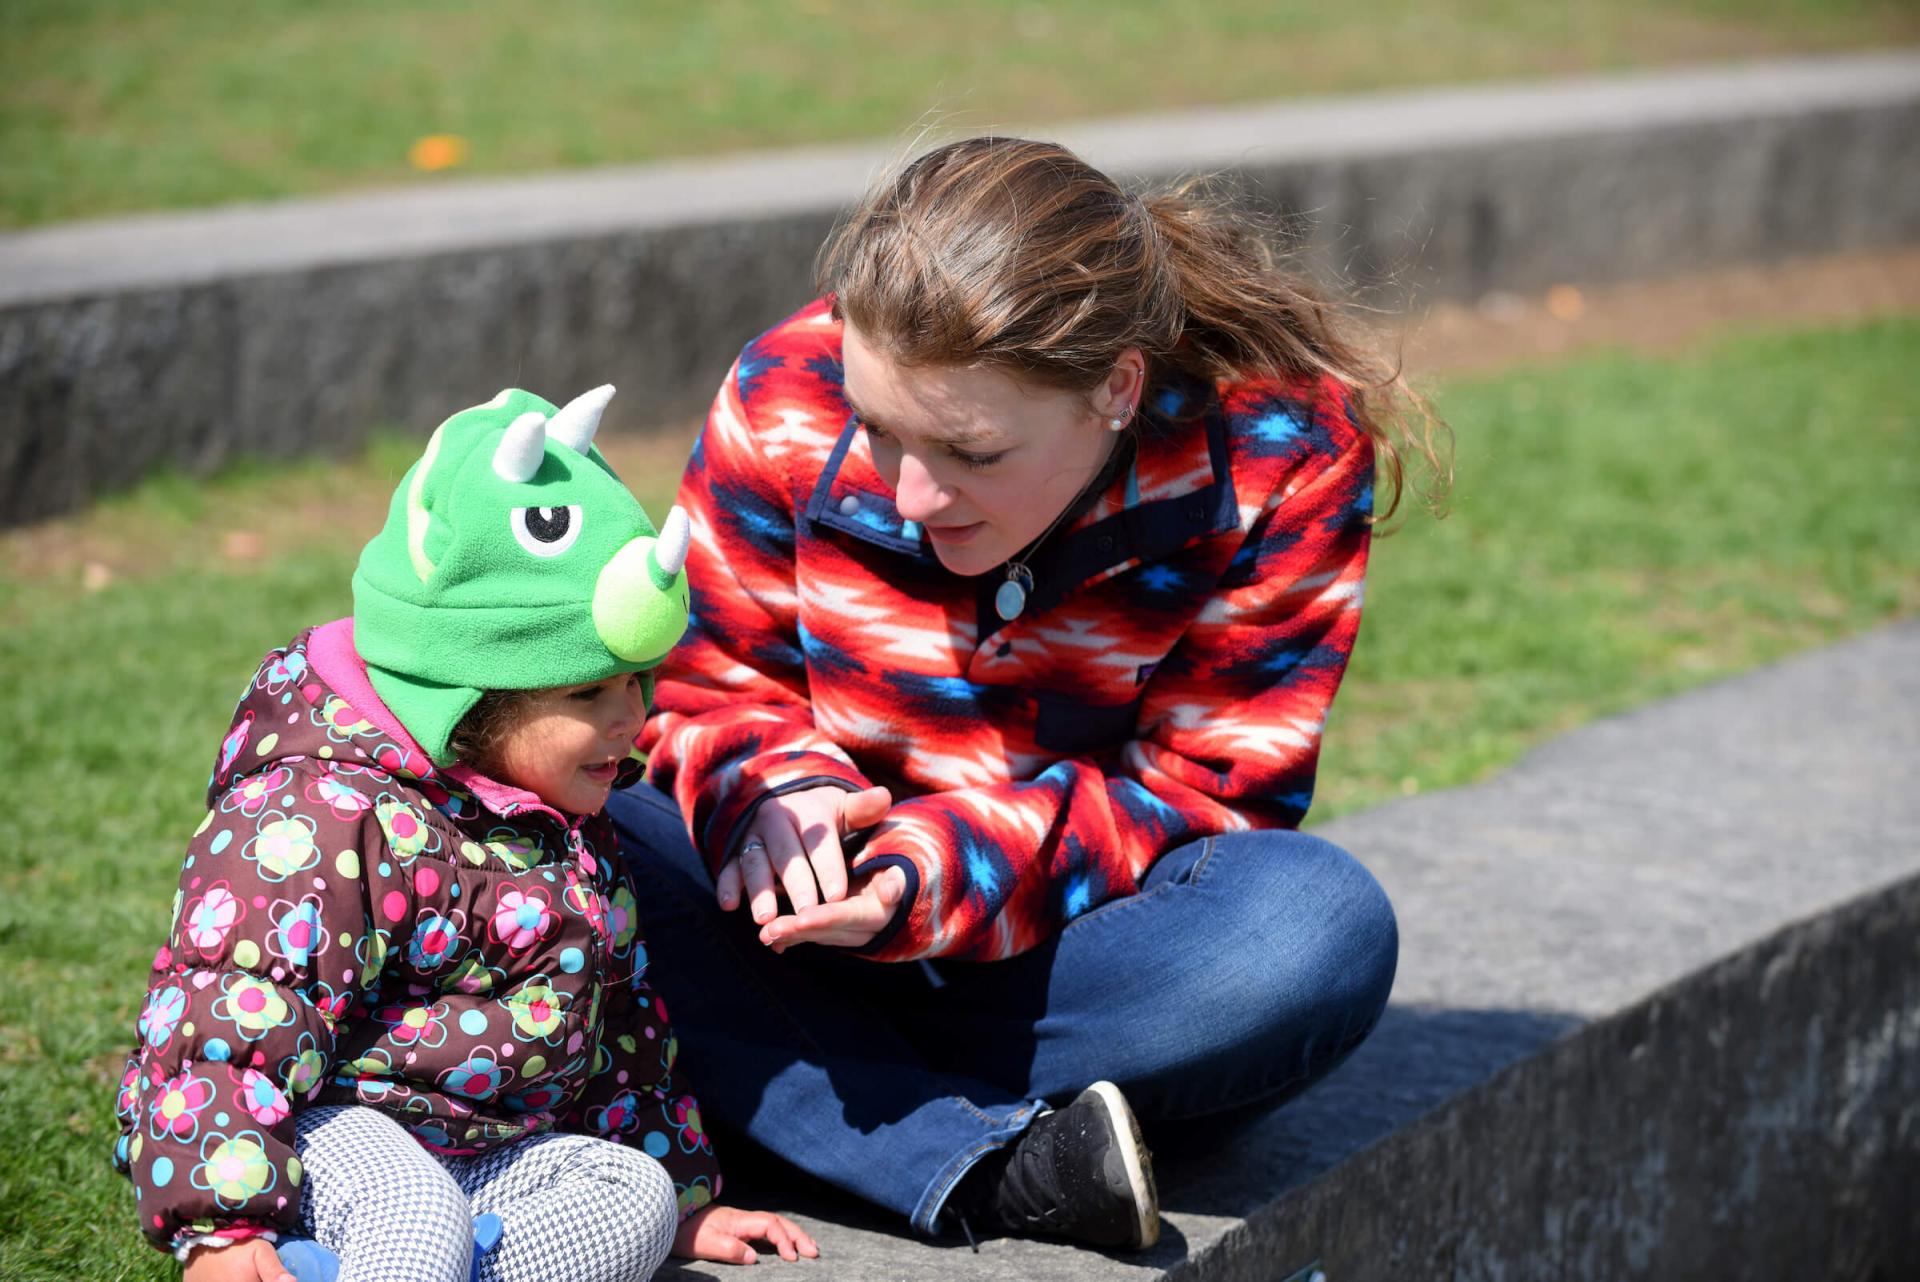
[(875, 948), (183, 1247), (764, 778)]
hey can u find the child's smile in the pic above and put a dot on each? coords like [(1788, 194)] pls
[(566, 744)]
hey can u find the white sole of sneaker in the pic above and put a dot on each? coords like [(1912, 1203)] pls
[(1146, 1198)]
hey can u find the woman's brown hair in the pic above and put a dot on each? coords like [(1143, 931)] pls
[(1018, 255)]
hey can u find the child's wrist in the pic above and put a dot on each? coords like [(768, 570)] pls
[(185, 1248)]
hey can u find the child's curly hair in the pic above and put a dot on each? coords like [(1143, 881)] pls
[(475, 742)]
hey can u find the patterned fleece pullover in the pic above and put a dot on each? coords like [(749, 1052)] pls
[(1167, 681), (354, 926)]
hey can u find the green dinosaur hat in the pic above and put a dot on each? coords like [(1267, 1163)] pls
[(513, 559)]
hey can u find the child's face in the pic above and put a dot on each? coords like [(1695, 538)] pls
[(568, 741)]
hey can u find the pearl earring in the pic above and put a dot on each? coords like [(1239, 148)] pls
[(1116, 423)]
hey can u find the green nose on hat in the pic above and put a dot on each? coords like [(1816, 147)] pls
[(513, 558)]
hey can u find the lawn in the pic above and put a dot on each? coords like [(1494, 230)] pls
[(1623, 527), (108, 106)]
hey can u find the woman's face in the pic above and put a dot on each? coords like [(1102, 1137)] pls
[(982, 461)]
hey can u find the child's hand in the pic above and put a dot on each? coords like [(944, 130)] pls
[(851, 923), (251, 1261), (723, 1233)]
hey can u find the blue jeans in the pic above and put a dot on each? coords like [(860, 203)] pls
[(1246, 969)]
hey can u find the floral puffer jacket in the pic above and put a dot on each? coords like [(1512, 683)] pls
[(355, 926)]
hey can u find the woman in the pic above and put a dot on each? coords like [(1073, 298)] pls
[(1026, 564)]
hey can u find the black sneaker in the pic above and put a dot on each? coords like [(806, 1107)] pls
[(1082, 1172)]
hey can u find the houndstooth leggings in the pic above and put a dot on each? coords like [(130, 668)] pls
[(572, 1208)]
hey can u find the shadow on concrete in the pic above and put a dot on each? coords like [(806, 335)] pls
[(1418, 1058)]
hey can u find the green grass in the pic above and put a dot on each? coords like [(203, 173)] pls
[(1626, 527), (1623, 527), (108, 106)]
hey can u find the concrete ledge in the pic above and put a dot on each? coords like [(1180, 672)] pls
[(1658, 1015), (189, 339), (1754, 1120)]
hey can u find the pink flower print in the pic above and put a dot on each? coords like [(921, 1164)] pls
[(588, 902), (479, 1078), (623, 918), (303, 1069), (332, 1005), (236, 740), (209, 918), (406, 829), (542, 1098), (538, 1013), (177, 1105), (517, 851), (257, 792), (371, 952), (455, 804), (282, 671), (283, 846), (521, 919), (436, 937), (371, 1076), (162, 1015), (298, 933), (415, 1025), (235, 1170), (262, 1099), (339, 720), (252, 1005), (126, 1104), (686, 1116), (695, 1195), (618, 1117), (473, 976), (337, 795), (402, 761)]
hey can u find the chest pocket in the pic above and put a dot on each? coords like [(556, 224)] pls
[(1072, 726)]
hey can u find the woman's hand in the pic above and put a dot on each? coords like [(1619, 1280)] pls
[(851, 923), (797, 838), (724, 1234), (253, 1260)]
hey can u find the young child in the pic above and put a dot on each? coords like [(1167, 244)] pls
[(404, 986)]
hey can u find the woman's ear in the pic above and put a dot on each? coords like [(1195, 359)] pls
[(1119, 395)]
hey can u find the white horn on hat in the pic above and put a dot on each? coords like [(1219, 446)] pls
[(518, 455), (576, 421), (671, 550)]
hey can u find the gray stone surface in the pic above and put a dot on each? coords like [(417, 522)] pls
[(1657, 1015), (272, 329)]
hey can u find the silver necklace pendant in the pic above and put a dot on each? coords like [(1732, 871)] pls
[(1011, 597), (1009, 600)]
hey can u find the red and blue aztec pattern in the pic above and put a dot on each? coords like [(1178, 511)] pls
[(1168, 680)]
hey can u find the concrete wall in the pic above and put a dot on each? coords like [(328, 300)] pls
[(1758, 1120), (191, 339)]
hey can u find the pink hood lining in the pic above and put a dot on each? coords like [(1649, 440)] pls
[(334, 659)]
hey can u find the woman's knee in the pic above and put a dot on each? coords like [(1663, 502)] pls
[(1307, 943)]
